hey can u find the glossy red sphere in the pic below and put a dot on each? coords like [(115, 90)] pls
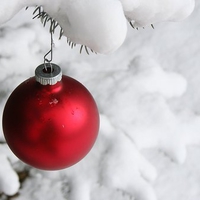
[(50, 127)]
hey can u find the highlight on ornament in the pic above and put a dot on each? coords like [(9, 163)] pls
[(50, 121)]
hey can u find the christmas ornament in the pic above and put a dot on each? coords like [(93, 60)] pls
[(50, 121)]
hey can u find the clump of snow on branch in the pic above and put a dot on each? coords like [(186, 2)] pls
[(101, 24), (124, 167), (9, 181), (143, 12)]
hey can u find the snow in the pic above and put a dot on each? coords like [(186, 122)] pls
[(7, 174), (148, 97), (101, 25), (144, 13)]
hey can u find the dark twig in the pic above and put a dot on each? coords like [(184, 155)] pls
[(81, 48), (132, 25), (44, 17)]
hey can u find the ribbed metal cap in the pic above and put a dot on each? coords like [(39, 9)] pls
[(48, 74)]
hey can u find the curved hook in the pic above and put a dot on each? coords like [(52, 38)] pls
[(46, 60)]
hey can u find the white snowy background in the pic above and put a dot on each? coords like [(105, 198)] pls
[(148, 96)]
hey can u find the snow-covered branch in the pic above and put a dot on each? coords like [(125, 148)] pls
[(101, 25)]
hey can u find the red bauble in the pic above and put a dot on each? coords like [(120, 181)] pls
[(50, 127)]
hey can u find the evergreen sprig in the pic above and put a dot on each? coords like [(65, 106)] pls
[(39, 13)]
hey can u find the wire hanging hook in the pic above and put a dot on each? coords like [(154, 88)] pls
[(46, 60)]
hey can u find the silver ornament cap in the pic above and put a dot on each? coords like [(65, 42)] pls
[(48, 74)]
